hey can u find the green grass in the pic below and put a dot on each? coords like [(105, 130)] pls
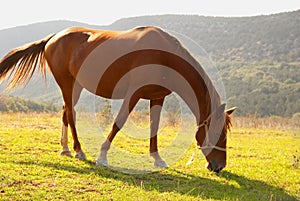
[(263, 164)]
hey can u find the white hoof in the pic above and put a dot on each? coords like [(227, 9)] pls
[(80, 155), (160, 164), (101, 162), (66, 153)]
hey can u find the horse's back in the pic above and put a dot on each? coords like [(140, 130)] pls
[(76, 43), (71, 45), (99, 59)]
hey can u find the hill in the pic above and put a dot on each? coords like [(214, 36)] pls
[(17, 104), (17, 36), (257, 57), (272, 37)]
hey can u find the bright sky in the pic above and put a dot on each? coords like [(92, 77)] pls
[(15, 13)]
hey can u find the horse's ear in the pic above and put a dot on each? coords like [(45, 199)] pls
[(221, 109), (231, 110)]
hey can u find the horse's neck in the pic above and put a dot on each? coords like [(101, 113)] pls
[(207, 98), (206, 102)]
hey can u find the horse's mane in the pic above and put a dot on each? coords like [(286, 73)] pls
[(228, 122)]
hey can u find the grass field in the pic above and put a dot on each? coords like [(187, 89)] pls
[(263, 164)]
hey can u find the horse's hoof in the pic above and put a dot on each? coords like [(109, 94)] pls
[(101, 162), (80, 155), (66, 153), (160, 164)]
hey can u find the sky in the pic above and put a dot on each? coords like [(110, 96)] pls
[(15, 12)]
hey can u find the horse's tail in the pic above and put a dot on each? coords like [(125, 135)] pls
[(20, 63)]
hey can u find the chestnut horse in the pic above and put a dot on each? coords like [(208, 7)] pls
[(141, 63)]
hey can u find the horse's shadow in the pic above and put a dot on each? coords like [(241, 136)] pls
[(232, 187)]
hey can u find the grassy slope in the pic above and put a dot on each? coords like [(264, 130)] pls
[(261, 166)]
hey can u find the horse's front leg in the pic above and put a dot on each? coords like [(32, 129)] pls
[(128, 104), (155, 111)]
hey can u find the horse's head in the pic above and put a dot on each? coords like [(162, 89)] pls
[(211, 137)]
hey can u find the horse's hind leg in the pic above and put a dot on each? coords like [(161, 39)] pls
[(64, 134), (155, 111), (71, 95), (127, 106)]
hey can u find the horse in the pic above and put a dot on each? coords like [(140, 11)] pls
[(140, 63)]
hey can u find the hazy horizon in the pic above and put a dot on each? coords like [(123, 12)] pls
[(32, 11)]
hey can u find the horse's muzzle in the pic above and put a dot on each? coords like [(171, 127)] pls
[(214, 166)]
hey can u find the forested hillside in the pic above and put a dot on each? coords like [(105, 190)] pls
[(257, 57), (273, 37), (17, 104), (262, 88)]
